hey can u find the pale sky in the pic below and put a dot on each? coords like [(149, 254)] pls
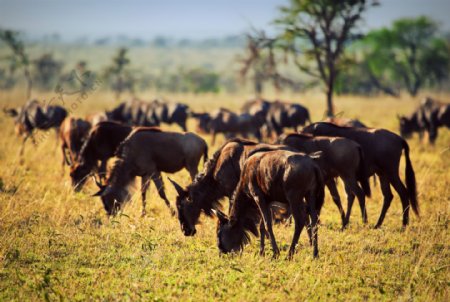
[(178, 18)]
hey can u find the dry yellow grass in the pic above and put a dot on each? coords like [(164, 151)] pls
[(56, 244)]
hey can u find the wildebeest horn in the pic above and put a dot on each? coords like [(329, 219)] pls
[(99, 184), (221, 216), (179, 189)]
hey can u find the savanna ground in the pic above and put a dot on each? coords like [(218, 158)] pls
[(59, 245)]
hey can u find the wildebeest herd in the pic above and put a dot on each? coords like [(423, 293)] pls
[(260, 179)]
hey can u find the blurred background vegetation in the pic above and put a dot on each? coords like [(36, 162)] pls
[(406, 57)]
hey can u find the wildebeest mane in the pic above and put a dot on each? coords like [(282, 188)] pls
[(205, 183)]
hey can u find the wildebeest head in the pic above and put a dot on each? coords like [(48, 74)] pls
[(229, 239), (407, 126), (188, 213), (79, 173), (204, 120), (12, 112), (112, 197)]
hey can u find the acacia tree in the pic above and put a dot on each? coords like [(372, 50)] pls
[(319, 30), (11, 39), (410, 53), (118, 75), (261, 63)]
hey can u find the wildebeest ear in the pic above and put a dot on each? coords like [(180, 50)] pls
[(180, 190), (315, 155), (221, 216)]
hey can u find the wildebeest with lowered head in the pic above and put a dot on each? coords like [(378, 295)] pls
[(341, 157), (231, 124), (130, 112), (140, 113), (100, 145), (435, 115), (218, 180), (257, 108), (382, 154), (147, 152), (171, 113), (284, 176), (33, 116), (286, 115), (73, 132)]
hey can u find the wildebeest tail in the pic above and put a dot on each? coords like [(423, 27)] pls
[(362, 175), (319, 193), (410, 180)]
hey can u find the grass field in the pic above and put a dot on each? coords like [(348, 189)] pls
[(59, 245)]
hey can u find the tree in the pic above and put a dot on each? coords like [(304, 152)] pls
[(261, 63), (11, 38), (410, 52), (118, 75), (320, 30), (46, 71)]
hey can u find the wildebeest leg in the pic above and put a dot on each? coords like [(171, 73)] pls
[(262, 231), (22, 147), (403, 193), (331, 185), (64, 158), (352, 187), (350, 200), (157, 179), (145, 184), (182, 124), (57, 136), (267, 219), (213, 139), (192, 167), (258, 135), (298, 213), (387, 193), (311, 201)]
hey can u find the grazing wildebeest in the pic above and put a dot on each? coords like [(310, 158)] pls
[(218, 180), (147, 152), (345, 122), (129, 112), (171, 113), (435, 115), (412, 123), (33, 116), (136, 112), (203, 122), (286, 115), (341, 157), (257, 108), (232, 124), (100, 145), (288, 177), (382, 154), (96, 118), (73, 132)]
